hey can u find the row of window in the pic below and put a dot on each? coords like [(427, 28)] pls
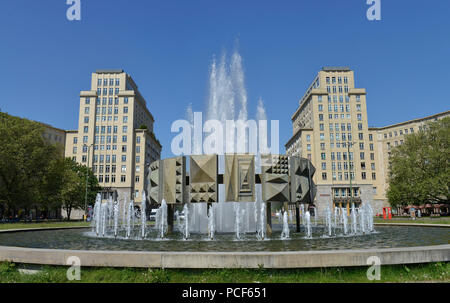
[(343, 116), (111, 82), (341, 107), (123, 178), (106, 101), (345, 165), (337, 89), (105, 91), (361, 156), (345, 192), (344, 176), (106, 118), (339, 80), (411, 130)]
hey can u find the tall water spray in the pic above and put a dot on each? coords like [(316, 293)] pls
[(328, 221), (143, 215), (344, 220), (116, 218), (130, 218), (308, 224), (162, 219), (262, 221), (354, 222), (285, 232), (227, 100), (186, 221), (211, 223)]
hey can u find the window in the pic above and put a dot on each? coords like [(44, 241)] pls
[(361, 155), (113, 178), (361, 145), (322, 136), (124, 148), (320, 117), (138, 149), (125, 119), (363, 175), (124, 129), (138, 159), (358, 98), (113, 159), (374, 176), (86, 110), (308, 147), (124, 168), (320, 107), (319, 98), (123, 178), (137, 179), (86, 129), (124, 158), (359, 117), (125, 110), (324, 176), (324, 165), (323, 156), (124, 138), (138, 139)]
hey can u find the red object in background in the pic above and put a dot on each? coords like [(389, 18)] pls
[(387, 213)]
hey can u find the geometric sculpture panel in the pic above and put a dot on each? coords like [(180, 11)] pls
[(203, 170), (155, 177), (174, 176), (239, 178), (301, 172), (275, 178)]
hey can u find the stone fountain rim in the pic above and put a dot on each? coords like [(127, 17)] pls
[(290, 259)]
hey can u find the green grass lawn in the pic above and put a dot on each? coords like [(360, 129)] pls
[(432, 272), (5, 226), (423, 220)]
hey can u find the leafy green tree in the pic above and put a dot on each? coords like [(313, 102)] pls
[(25, 157), (73, 187), (420, 167)]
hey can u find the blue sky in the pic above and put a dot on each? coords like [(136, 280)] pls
[(167, 46)]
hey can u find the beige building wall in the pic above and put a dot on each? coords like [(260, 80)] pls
[(331, 129), (392, 136), (332, 114), (109, 137)]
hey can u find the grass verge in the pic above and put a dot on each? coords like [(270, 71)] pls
[(430, 272), (5, 226)]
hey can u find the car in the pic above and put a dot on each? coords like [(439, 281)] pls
[(181, 215), (153, 215)]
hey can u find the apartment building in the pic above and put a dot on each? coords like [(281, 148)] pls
[(115, 135), (330, 127)]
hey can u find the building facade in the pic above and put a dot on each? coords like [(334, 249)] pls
[(330, 127), (115, 135), (392, 136)]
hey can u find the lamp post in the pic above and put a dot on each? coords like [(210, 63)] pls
[(350, 171), (87, 174)]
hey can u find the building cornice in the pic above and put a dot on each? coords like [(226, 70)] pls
[(446, 113)]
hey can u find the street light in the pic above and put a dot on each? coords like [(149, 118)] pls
[(350, 171), (87, 171)]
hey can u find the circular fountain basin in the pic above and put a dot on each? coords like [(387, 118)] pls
[(393, 244)]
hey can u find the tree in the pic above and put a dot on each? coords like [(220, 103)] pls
[(420, 168), (73, 189), (25, 157)]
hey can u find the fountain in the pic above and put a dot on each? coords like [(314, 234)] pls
[(285, 232)]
